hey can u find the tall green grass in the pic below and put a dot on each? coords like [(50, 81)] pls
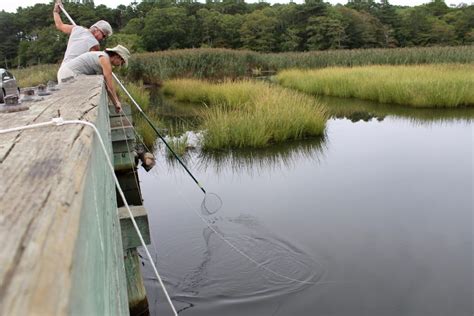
[(35, 75), (142, 96), (447, 85), (250, 114), (193, 63), (373, 56), (138, 91), (217, 64)]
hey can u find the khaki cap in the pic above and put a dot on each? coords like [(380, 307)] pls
[(122, 51)]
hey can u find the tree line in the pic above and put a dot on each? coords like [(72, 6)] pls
[(29, 36)]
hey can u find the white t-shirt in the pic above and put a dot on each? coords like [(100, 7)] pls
[(80, 41), (87, 64)]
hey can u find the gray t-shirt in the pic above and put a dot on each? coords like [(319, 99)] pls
[(80, 41), (87, 64)]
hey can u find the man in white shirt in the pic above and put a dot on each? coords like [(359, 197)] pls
[(81, 40)]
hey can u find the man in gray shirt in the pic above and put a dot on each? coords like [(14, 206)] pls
[(98, 63)]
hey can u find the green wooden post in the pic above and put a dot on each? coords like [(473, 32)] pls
[(137, 301), (123, 143)]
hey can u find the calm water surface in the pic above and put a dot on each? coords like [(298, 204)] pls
[(376, 218)]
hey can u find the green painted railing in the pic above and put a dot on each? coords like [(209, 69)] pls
[(99, 285)]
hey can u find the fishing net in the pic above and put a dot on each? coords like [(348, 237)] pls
[(211, 204)]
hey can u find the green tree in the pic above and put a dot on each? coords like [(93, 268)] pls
[(462, 20), (134, 26), (210, 22), (10, 33), (167, 28), (132, 41), (325, 33), (419, 28), (257, 31), (362, 29), (437, 7), (291, 33), (46, 46), (230, 26)]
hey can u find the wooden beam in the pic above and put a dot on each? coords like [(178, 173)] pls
[(130, 237), (137, 301)]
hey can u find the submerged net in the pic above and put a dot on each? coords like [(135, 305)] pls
[(211, 204)]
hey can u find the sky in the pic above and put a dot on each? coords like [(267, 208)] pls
[(11, 5)]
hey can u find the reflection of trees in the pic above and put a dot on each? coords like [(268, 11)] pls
[(357, 116), (356, 110)]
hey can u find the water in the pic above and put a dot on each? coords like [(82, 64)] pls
[(376, 216)]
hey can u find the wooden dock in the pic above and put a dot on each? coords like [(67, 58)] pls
[(61, 248)]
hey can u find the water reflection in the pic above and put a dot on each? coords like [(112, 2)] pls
[(250, 161), (357, 110), (376, 213), (270, 159)]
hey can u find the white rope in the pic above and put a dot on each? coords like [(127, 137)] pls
[(58, 122)]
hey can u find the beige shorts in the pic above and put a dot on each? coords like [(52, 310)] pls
[(64, 73)]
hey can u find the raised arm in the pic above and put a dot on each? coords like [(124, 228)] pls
[(65, 28), (107, 72)]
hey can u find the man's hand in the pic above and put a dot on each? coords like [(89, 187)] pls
[(118, 107), (57, 8)]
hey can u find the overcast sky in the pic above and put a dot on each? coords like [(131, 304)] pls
[(11, 5)]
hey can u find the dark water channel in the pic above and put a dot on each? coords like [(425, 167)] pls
[(376, 218)]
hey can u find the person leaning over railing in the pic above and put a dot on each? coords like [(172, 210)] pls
[(96, 63), (81, 40)]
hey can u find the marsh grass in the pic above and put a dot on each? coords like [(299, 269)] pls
[(250, 114), (196, 63), (142, 97), (219, 64), (443, 85), (138, 92), (35, 75), (179, 144)]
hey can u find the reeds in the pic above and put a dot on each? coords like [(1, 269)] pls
[(250, 114), (35, 75), (142, 96), (217, 64), (179, 144), (138, 92), (196, 63), (444, 85)]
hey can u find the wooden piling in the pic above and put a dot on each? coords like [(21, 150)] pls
[(125, 164)]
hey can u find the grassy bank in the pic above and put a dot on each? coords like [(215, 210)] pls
[(250, 114), (226, 63), (448, 85), (35, 75), (142, 97), (196, 63)]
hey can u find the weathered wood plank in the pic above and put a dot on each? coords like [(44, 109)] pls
[(43, 173)]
